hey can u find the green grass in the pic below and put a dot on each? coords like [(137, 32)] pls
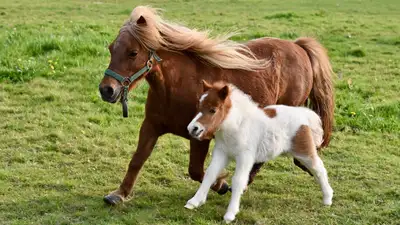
[(62, 148)]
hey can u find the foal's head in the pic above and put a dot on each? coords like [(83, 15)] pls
[(214, 105)]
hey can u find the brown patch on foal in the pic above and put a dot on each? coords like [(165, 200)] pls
[(303, 143), (271, 113)]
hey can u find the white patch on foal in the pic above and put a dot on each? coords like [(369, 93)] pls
[(249, 136)]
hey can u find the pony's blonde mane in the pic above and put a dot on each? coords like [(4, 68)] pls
[(159, 34)]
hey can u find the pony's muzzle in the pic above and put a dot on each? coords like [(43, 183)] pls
[(109, 94)]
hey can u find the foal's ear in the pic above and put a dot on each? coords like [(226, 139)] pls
[(223, 92), (141, 21), (206, 86)]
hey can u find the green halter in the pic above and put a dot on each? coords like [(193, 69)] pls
[(126, 81)]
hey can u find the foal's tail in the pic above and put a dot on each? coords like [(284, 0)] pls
[(321, 96)]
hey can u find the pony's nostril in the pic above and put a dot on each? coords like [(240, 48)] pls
[(107, 91), (195, 129)]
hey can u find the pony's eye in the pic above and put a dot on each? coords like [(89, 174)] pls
[(212, 111), (132, 54)]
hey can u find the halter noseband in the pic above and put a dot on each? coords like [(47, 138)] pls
[(126, 81)]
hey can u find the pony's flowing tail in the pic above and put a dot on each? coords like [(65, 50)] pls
[(321, 96)]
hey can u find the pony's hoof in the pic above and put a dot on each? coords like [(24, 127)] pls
[(112, 199), (224, 188)]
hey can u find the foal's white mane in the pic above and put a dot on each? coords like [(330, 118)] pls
[(242, 100), (159, 34), (243, 108)]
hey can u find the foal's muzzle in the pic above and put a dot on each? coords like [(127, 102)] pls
[(196, 130)]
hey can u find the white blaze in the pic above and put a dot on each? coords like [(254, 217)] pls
[(190, 126), (203, 97), (195, 129)]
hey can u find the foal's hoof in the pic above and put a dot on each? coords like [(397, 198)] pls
[(327, 202), (229, 217), (190, 206), (112, 199), (224, 188), (194, 203)]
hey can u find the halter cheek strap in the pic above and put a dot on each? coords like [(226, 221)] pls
[(127, 81)]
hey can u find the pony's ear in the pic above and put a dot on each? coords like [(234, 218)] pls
[(206, 86), (111, 46), (223, 92), (141, 21)]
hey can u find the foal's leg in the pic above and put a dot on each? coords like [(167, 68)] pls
[(316, 166), (301, 166), (147, 139), (239, 181), (218, 162), (198, 154), (305, 151)]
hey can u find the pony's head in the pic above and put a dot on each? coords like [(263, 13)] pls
[(130, 54), (214, 106)]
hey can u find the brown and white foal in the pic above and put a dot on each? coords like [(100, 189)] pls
[(250, 135)]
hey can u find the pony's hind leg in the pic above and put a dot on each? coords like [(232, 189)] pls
[(305, 151), (244, 164), (218, 162)]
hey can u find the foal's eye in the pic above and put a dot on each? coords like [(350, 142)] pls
[(212, 111), (132, 54)]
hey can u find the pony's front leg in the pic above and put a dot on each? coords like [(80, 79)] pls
[(148, 136), (244, 163), (218, 162)]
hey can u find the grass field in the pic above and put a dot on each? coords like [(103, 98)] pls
[(62, 148)]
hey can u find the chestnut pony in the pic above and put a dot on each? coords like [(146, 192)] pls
[(174, 60)]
